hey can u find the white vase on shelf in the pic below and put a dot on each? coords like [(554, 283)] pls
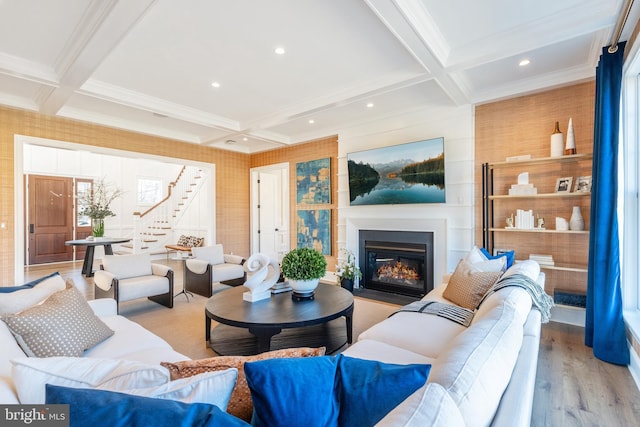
[(557, 142), (576, 223)]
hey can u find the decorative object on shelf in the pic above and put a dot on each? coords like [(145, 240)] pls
[(557, 143), (561, 224), (303, 268), (576, 222), (563, 185), (525, 220), (96, 203), (347, 270), (539, 222), (510, 221), (523, 187), (583, 184), (570, 147), (262, 273)]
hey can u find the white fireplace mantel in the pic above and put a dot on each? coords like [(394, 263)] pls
[(437, 226)]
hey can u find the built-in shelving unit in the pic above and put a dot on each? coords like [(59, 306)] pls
[(569, 249)]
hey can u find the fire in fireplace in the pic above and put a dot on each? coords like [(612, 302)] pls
[(401, 263)]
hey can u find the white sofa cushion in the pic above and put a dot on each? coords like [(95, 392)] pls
[(125, 266), (31, 374), (430, 406), (477, 365), (210, 387), (421, 333), (133, 342), (370, 349), (213, 254), (223, 272), (527, 267), (17, 301), (140, 287)]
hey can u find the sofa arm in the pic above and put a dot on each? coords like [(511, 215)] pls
[(103, 279), (196, 266), (160, 269), (233, 259), (104, 307)]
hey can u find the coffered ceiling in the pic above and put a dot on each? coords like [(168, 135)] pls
[(149, 65)]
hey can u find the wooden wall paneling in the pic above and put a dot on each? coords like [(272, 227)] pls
[(521, 126), (232, 179), (312, 150)]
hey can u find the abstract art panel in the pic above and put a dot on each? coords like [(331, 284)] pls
[(313, 182), (313, 230)]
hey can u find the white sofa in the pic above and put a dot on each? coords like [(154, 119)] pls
[(481, 375), (130, 341)]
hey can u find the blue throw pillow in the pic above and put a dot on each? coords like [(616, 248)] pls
[(371, 389), (29, 285), (88, 407), (510, 255), (329, 390), (293, 392)]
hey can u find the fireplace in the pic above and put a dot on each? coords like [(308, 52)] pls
[(397, 261)]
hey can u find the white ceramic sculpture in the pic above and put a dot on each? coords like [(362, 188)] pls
[(262, 273)]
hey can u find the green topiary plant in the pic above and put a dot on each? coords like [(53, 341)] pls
[(304, 264)]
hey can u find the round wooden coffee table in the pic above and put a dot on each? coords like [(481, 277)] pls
[(279, 322)]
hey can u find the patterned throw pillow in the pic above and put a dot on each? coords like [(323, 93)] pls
[(63, 325), (240, 404), (468, 284), (183, 240), (194, 241)]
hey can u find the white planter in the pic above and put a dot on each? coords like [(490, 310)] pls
[(303, 288)]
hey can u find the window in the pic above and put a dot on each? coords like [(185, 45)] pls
[(149, 191), (629, 188), (83, 190)]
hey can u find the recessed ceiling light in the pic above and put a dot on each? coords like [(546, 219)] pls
[(215, 84), (279, 51), (524, 62), (245, 139), (370, 105), (311, 121)]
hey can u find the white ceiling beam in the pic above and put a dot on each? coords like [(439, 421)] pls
[(103, 26)]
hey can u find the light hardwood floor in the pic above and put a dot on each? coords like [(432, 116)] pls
[(573, 388)]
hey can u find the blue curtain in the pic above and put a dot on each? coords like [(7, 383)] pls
[(604, 329)]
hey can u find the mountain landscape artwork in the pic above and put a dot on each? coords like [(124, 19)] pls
[(399, 174)]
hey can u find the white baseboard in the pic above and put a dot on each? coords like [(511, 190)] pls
[(634, 366), (568, 314)]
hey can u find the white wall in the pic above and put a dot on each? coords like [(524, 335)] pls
[(456, 125)]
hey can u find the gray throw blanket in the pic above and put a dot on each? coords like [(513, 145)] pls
[(540, 299), (460, 315)]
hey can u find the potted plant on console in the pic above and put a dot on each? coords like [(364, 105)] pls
[(348, 271), (303, 268)]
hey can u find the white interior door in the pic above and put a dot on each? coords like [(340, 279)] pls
[(270, 210)]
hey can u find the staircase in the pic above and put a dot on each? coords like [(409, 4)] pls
[(154, 227)]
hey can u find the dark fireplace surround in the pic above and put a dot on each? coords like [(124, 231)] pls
[(398, 262)]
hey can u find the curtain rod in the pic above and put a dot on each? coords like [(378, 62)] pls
[(622, 20)]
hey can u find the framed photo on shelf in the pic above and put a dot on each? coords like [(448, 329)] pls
[(563, 185), (583, 184)]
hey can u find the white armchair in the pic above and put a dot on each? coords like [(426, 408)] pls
[(211, 265), (129, 277)]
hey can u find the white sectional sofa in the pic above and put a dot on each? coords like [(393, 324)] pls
[(481, 375), (130, 341)]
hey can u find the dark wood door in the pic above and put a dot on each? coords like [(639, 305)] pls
[(50, 221)]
